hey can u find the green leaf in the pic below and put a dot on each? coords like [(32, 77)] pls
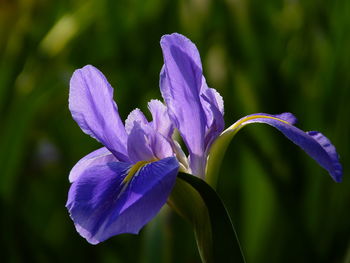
[(199, 203)]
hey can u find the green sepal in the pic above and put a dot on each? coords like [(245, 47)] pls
[(199, 203)]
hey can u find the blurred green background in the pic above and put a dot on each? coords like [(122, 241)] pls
[(271, 56)]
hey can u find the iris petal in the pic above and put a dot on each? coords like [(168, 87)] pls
[(313, 143), (212, 98), (102, 205), (139, 147), (146, 144), (135, 115), (100, 156), (180, 83), (93, 108), (161, 121), (161, 146), (213, 105)]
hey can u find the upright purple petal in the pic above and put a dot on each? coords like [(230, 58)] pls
[(98, 157), (135, 115), (213, 105), (161, 146), (146, 144), (161, 121), (102, 204), (313, 143), (213, 97), (93, 108), (180, 83), (139, 147)]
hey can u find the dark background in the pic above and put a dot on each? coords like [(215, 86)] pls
[(262, 56)]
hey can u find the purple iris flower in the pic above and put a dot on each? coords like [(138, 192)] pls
[(122, 186), (197, 111)]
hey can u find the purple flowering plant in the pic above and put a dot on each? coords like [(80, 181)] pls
[(120, 187)]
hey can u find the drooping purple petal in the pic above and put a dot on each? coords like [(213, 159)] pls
[(313, 143), (336, 169), (285, 116), (180, 83), (98, 157), (102, 205), (93, 108), (161, 121)]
